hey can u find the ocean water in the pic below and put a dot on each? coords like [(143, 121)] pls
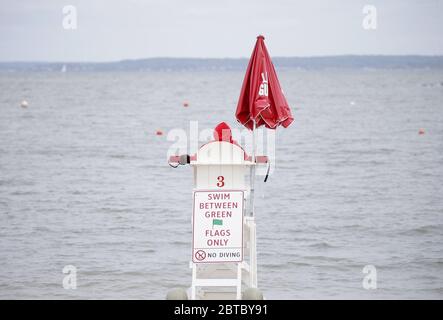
[(84, 181)]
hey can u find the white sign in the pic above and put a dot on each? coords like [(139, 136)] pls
[(217, 232)]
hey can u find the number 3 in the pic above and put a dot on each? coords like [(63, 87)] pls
[(221, 181)]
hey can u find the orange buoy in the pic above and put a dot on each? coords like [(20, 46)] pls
[(421, 131), (186, 104), (159, 132)]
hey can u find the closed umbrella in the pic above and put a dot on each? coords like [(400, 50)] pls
[(261, 102), (261, 98)]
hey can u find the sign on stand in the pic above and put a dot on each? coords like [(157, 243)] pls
[(217, 226)]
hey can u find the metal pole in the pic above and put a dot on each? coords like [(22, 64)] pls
[(253, 169)]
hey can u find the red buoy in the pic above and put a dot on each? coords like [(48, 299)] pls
[(185, 104), (159, 132), (421, 131)]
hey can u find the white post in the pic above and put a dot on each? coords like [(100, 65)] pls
[(253, 244), (194, 280), (239, 281)]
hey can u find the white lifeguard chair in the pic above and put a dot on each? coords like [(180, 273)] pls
[(222, 167)]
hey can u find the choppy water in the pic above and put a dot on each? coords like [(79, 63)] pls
[(83, 181)]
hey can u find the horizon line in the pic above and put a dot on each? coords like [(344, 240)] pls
[(227, 58)]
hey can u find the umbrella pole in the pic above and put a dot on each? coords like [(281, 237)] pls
[(252, 231), (253, 169)]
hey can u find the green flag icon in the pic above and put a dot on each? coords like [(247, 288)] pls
[(217, 222)]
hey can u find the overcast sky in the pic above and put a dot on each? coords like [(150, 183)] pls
[(108, 30)]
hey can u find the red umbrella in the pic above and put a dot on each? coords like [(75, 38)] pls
[(261, 97), (261, 100)]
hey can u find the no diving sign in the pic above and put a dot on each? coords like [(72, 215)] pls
[(217, 232)]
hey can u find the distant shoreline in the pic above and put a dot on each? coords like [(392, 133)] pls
[(220, 64)]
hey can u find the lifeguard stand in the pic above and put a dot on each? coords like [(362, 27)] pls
[(222, 167)]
